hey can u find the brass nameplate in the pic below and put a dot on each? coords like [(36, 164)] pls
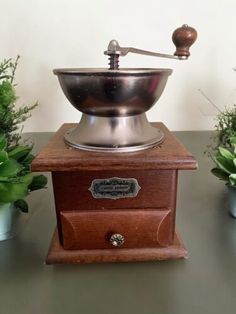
[(114, 188)]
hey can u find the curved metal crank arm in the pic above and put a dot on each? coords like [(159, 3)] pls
[(125, 50), (183, 38)]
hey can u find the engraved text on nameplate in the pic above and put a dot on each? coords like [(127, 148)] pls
[(114, 188)]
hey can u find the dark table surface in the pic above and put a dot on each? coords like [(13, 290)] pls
[(203, 284)]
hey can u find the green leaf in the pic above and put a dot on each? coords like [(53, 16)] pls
[(38, 182), (7, 94), (28, 160), (3, 156), (232, 140), (226, 153), (27, 179), (220, 174), (3, 141), (10, 168), (11, 192), (19, 152), (232, 179), (225, 164), (22, 205), (4, 179)]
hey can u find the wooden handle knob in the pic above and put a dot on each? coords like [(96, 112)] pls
[(183, 38)]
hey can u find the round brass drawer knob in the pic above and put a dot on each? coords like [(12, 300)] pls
[(117, 239)]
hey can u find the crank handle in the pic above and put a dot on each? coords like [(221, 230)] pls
[(183, 38)]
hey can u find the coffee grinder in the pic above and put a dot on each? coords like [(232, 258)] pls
[(115, 174)]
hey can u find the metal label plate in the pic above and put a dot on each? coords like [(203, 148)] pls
[(114, 188)]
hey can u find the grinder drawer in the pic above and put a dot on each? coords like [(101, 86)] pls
[(116, 229)]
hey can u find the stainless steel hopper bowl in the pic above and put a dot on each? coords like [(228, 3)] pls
[(113, 101), (113, 93)]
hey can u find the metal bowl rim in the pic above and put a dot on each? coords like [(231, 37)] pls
[(102, 71)]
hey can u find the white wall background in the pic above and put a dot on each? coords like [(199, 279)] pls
[(74, 33)]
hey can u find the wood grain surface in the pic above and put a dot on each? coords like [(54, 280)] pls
[(158, 191), (85, 223), (93, 229), (71, 189), (58, 156), (58, 255)]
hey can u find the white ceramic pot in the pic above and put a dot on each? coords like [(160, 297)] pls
[(8, 220)]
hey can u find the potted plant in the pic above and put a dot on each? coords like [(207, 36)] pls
[(16, 178), (225, 160), (225, 128), (222, 150)]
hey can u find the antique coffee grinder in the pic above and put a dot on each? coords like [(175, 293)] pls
[(115, 174)]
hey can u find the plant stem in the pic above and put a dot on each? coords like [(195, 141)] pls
[(14, 68), (209, 100)]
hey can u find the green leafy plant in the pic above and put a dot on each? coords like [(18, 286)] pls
[(226, 126), (16, 178), (225, 160), (11, 116)]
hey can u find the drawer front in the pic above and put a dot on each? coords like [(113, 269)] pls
[(116, 229), (72, 190)]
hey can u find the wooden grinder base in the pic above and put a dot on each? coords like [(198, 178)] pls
[(145, 219), (57, 255)]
